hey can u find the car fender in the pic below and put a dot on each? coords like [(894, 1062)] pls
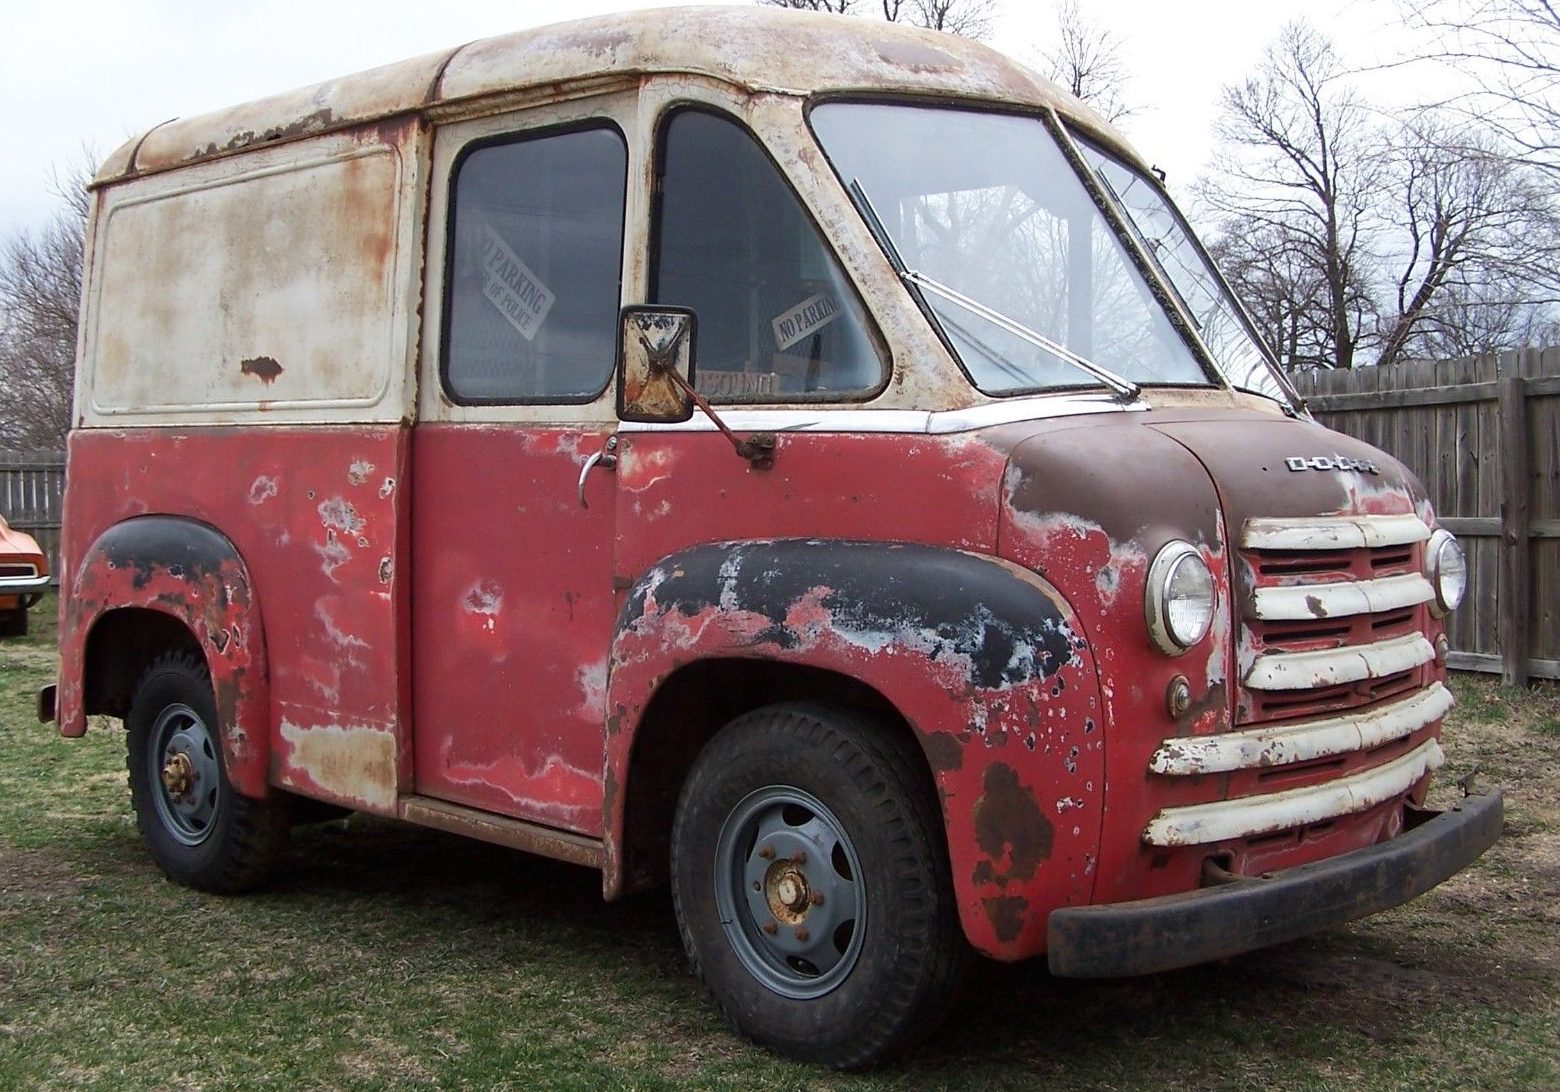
[(193, 573), (984, 660)]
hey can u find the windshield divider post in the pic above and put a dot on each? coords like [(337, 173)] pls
[(1168, 297)]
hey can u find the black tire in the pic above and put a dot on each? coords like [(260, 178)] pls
[(849, 979), (13, 623), (201, 832)]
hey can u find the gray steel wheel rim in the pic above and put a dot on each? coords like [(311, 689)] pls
[(189, 817), (832, 932)]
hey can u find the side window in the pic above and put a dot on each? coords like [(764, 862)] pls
[(778, 319), (536, 255)]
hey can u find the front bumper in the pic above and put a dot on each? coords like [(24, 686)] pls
[(1172, 931)]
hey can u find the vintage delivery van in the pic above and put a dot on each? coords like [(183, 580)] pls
[(830, 479)]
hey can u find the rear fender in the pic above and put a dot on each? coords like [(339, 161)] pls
[(192, 573), (983, 659)]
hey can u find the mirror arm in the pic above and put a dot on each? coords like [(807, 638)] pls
[(758, 449)]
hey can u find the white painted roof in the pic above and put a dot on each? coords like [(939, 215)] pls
[(738, 45)]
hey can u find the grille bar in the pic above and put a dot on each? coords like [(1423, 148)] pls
[(1336, 666), (1333, 533), (1308, 602), (1281, 745), (1269, 813)]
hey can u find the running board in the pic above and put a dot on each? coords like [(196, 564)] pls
[(501, 830)]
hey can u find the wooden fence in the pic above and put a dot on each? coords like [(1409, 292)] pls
[(1483, 434), (31, 486)]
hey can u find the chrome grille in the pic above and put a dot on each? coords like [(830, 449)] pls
[(1333, 618), (1336, 691)]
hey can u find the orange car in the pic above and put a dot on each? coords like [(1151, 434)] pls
[(24, 574)]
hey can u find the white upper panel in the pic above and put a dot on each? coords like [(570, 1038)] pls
[(282, 281)]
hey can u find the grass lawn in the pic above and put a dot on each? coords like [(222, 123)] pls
[(389, 956)]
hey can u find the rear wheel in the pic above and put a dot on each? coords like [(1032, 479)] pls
[(811, 884), (200, 831)]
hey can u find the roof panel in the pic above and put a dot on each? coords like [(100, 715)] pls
[(753, 47)]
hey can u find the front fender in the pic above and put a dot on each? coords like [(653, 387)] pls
[(984, 659), (194, 574)]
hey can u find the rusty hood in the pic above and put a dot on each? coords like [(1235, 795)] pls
[(1198, 474), (1272, 467)]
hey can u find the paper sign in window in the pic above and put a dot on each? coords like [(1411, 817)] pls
[(807, 317), (511, 286)]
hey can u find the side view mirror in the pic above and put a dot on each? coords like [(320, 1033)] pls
[(655, 364)]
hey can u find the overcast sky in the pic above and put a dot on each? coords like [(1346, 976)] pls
[(92, 73)]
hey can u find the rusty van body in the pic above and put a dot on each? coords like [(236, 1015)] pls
[(986, 587)]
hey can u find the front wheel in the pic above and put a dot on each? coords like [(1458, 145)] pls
[(811, 884), (201, 832)]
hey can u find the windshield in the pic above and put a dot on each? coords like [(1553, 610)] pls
[(988, 205), (1170, 243)]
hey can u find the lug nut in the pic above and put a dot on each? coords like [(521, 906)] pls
[(798, 858), (766, 852), (816, 898), (771, 928), (802, 934)]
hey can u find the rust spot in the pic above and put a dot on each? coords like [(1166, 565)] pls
[(1007, 914), (944, 751), (263, 368), (1314, 605), (1007, 819)]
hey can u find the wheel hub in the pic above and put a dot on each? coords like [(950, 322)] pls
[(178, 776), (187, 789), (787, 892)]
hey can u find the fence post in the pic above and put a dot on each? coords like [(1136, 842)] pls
[(1516, 557)]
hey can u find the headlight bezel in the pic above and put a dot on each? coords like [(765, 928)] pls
[(1176, 562), (1441, 547)]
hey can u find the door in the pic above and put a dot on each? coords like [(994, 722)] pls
[(512, 601)]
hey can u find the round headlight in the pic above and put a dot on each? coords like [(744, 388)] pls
[(1179, 600), (1448, 571)]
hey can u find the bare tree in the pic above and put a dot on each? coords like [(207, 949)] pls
[(838, 7), (1511, 48), (970, 18), (1296, 151), (40, 296), (1085, 58), (1359, 238), (1475, 239)]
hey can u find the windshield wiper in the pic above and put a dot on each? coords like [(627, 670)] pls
[(1125, 389)]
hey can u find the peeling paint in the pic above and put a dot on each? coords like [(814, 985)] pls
[(262, 489), (355, 764), (551, 789), (338, 514), (485, 599)]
